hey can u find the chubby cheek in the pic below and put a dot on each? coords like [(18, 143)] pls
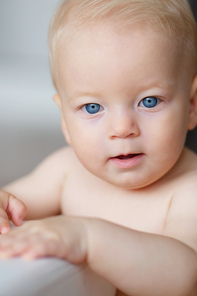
[(89, 145), (167, 136)]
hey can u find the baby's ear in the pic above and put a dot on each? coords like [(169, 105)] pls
[(193, 105), (57, 99)]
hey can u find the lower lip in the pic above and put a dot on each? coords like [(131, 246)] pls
[(127, 163)]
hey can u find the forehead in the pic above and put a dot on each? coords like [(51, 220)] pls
[(94, 52), (107, 33)]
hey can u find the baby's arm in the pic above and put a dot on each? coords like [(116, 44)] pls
[(136, 263), (147, 264), (40, 190), (142, 264)]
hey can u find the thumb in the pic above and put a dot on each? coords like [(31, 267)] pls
[(16, 210)]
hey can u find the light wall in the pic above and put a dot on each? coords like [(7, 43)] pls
[(26, 89), (24, 25), (29, 119)]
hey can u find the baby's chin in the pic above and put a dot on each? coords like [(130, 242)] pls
[(127, 182), (128, 185)]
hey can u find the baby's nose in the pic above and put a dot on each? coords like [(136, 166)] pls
[(123, 126)]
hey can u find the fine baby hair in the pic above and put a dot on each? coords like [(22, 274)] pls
[(172, 17)]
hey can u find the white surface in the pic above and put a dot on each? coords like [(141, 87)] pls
[(50, 277)]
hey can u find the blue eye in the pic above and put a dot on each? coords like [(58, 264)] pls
[(92, 108), (149, 102)]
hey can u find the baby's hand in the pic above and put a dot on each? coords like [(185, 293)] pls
[(59, 236), (10, 207)]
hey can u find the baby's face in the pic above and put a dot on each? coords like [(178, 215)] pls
[(125, 103)]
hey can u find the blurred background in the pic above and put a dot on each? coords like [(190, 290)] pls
[(29, 119)]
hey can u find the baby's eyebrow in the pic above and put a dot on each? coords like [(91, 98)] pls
[(160, 84), (144, 86), (79, 94)]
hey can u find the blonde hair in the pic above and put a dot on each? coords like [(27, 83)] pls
[(173, 17)]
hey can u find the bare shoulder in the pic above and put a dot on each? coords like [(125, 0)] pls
[(44, 184), (182, 215), (59, 160), (56, 164)]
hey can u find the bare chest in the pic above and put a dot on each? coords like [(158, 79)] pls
[(91, 197)]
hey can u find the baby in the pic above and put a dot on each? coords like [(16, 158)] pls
[(122, 198)]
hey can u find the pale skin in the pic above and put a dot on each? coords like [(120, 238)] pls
[(126, 187)]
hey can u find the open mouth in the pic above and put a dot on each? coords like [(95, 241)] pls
[(129, 156)]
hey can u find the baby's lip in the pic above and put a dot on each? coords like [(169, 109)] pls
[(126, 156), (127, 161)]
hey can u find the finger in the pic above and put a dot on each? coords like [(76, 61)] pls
[(28, 248), (4, 222), (10, 251), (17, 210), (14, 244), (41, 249)]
